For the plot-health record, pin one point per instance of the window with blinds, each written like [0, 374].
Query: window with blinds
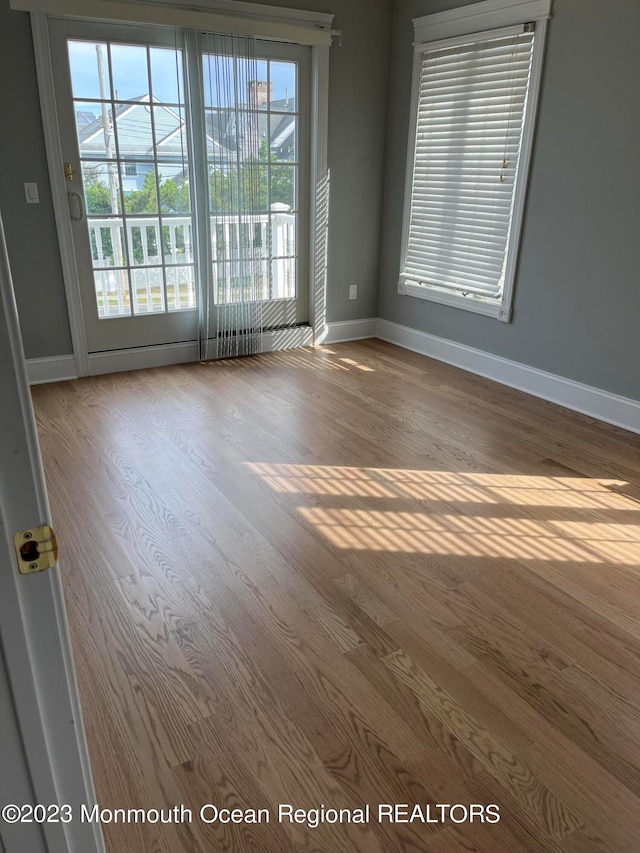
[472, 95]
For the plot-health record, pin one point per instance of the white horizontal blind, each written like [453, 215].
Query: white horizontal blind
[471, 108]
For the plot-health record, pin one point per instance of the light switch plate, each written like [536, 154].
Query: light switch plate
[31, 193]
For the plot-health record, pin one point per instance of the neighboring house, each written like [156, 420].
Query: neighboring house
[135, 139]
[226, 127]
[249, 127]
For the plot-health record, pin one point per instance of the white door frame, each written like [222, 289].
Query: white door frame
[34, 635]
[87, 365]
[48, 108]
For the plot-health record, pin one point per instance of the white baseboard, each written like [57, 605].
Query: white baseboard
[602, 405]
[271, 341]
[348, 330]
[57, 368]
[140, 358]
[619, 411]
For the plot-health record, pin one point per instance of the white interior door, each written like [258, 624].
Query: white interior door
[49, 763]
[15, 782]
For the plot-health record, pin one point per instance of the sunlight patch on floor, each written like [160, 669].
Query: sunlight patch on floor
[416, 525]
[515, 489]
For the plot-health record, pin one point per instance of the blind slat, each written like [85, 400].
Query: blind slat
[489, 247]
[472, 212]
[467, 113]
[441, 280]
[463, 279]
[470, 266]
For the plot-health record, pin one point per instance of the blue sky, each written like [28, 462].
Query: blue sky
[130, 77]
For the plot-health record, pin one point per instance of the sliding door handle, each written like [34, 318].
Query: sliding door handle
[76, 206]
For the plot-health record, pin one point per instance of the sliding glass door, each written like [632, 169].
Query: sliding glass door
[186, 161]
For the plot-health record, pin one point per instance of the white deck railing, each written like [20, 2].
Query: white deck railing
[235, 245]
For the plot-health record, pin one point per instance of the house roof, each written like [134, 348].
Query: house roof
[135, 130]
[222, 126]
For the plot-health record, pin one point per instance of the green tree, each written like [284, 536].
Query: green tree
[174, 196]
[98, 197]
[282, 185]
[145, 199]
[250, 194]
[98, 202]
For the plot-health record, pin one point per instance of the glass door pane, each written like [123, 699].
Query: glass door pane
[130, 111]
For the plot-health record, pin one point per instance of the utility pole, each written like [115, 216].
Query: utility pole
[112, 167]
[106, 128]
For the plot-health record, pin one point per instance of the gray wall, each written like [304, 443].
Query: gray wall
[30, 229]
[358, 103]
[577, 301]
[357, 129]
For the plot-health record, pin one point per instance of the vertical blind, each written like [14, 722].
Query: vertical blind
[471, 107]
[240, 244]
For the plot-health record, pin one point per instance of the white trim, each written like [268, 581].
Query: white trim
[411, 154]
[234, 7]
[320, 188]
[282, 339]
[51, 132]
[602, 405]
[270, 341]
[476, 304]
[348, 330]
[524, 169]
[478, 17]
[57, 368]
[141, 358]
[258, 23]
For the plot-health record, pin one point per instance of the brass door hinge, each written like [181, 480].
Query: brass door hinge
[36, 549]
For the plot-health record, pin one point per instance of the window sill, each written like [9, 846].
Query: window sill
[487, 307]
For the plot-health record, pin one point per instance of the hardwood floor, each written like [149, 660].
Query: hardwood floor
[343, 576]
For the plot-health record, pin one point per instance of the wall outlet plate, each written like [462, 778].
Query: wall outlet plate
[353, 291]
